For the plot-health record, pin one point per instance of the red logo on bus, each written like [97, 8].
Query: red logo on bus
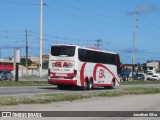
[60, 64]
[65, 64]
[101, 73]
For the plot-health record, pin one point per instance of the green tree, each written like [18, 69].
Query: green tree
[45, 65]
[23, 62]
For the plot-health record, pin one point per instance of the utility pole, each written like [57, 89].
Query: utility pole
[98, 43]
[134, 39]
[40, 57]
[27, 51]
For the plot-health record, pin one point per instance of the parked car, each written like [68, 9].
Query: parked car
[149, 75]
[33, 66]
[6, 75]
[125, 74]
[139, 76]
[155, 76]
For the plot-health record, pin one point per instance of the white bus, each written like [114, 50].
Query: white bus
[86, 67]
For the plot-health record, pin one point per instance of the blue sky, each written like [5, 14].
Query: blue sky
[82, 22]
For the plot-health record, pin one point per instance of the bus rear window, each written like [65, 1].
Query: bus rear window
[67, 51]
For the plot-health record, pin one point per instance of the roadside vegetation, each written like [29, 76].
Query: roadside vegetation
[138, 82]
[50, 98]
[31, 81]
[24, 83]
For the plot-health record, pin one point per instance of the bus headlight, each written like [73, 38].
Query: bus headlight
[75, 72]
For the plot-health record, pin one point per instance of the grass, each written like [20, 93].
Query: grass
[24, 83]
[30, 82]
[139, 82]
[50, 98]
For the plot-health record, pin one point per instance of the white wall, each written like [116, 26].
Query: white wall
[31, 73]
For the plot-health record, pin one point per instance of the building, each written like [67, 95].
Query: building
[35, 58]
[153, 65]
[6, 65]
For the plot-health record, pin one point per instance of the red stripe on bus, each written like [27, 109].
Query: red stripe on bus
[82, 78]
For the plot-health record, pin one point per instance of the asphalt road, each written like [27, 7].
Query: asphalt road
[34, 90]
[121, 103]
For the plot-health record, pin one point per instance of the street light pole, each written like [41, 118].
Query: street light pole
[134, 39]
[40, 57]
[27, 52]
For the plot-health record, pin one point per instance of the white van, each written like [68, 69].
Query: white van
[155, 76]
[149, 75]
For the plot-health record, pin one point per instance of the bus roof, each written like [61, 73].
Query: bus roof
[87, 47]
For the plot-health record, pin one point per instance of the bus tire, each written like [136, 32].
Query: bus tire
[85, 87]
[112, 84]
[90, 85]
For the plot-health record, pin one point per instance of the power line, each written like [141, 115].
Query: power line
[18, 3]
[34, 35]
[149, 33]
[47, 36]
[87, 19]
[151, 22]
[90, 12]
[66, 38]
[10, 47]
[101, 7]
[149, 28]
[11, 31]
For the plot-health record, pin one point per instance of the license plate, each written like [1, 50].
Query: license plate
[61, 74]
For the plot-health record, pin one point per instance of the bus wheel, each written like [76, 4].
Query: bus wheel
[113, 84]
[85, 87]
[90, 85]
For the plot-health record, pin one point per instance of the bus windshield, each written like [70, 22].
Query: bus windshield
[66, 51]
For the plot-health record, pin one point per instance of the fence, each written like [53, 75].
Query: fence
[31, 72]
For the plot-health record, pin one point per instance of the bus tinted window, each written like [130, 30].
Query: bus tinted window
[97, 57]
[67, 51]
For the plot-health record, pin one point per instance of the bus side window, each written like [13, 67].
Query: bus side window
[82, 55]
